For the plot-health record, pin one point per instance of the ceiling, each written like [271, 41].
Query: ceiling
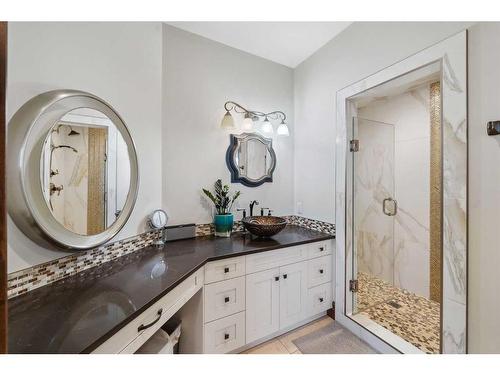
[287, 43]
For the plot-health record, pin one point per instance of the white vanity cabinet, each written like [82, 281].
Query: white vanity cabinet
[276, 299]
[248, 299]
[245, 300]
[280, 298]
[136, 333]
[224, 304]
[320, 277]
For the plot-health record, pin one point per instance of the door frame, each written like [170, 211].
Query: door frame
[452, 54]
[3, 212]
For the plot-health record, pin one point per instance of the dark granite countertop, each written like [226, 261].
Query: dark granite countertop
[77, 314]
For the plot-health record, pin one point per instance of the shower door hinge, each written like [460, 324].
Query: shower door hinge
[354, 145]
[353, 286]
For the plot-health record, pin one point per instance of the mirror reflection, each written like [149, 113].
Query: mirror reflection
[251, 159]
[85, 171]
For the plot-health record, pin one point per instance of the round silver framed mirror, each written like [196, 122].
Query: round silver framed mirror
[72, 170]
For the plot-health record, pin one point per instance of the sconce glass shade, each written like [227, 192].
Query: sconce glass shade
[283, 129]
[267, 127]
[227, 121]
[247, 122]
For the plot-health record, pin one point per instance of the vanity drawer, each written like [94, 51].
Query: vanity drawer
[319, 298]
[319, 271]
[224, 269]
[135, 334]
[276, 258]
[225, 335]
[224, 298]
[319, 249]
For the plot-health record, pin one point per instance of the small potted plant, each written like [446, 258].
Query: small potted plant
[223, 202]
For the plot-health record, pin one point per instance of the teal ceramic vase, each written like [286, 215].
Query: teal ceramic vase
[223, 225]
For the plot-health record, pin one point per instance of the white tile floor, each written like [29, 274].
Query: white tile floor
[283, 344]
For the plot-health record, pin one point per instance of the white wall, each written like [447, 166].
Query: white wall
[359, 51]
[484, 189]
[119, 62]
[200, 75]
[132, 65]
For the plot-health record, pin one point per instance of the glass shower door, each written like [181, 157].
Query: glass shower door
[374, 207]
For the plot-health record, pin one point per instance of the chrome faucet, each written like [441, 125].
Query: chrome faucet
[253, 203]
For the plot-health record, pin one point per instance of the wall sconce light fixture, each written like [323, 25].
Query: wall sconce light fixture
[250, 117]
[227, 121]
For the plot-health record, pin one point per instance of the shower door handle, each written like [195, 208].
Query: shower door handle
[384, 206]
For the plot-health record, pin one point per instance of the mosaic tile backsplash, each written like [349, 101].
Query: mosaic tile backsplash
[320, 226]
[35, 277]
[23, 281]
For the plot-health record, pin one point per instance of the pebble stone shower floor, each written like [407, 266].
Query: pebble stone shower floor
[413, 318]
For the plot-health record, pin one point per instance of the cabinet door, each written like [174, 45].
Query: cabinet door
[262, 313]
[293, 294]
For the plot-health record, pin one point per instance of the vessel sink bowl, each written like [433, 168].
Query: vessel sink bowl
[264, 226]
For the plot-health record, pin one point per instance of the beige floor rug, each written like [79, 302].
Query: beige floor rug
[332, 339]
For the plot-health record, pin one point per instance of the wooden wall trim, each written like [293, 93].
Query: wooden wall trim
[3, 212]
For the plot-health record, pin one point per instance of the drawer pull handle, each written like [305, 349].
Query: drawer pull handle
[142, 327]
[320, 299]
[276, 278]
[226, 336]
[321, 248]
[320, 271]
[285, 276]
[226, 299]
[226, 270]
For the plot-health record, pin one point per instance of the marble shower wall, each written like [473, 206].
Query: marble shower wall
[409, 256]
[454, 97]
[70, 204]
